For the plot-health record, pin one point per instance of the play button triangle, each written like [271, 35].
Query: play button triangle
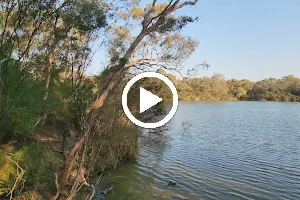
[147, 100]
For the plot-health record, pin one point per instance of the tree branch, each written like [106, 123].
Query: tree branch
[191, 3]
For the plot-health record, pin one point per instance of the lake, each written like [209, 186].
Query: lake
[217, 150]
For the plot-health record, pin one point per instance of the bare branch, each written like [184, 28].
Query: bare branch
[191, 3]
[163, 13]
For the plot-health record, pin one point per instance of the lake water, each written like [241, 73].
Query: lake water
[219, 150]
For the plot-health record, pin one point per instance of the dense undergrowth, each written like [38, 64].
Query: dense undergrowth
[39, 149]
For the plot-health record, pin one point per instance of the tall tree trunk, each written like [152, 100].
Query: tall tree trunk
[48, 74]
[47, 81]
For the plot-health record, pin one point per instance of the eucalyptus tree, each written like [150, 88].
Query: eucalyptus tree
[142, 38]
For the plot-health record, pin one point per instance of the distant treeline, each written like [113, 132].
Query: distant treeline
[218, 88]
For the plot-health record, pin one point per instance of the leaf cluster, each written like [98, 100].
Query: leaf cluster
[84, 16]
[173, 23]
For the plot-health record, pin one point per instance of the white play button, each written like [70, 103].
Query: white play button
[147, 100]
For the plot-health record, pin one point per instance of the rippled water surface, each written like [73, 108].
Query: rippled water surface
[223, 150]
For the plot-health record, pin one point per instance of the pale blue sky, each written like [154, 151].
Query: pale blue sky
[250, 39]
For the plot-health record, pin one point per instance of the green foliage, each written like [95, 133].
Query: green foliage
[23, 121]
[20, 107]
[8, 168]
[54, 36]
[271, 89]
[30, 195]
[40, 163]
[218, 88]
[173, 23]
[2, 159]
[85, 16]
[204, 89]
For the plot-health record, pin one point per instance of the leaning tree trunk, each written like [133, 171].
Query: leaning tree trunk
[116, 73]
[115, 76]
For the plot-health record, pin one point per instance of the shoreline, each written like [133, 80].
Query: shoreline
[216, 101]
